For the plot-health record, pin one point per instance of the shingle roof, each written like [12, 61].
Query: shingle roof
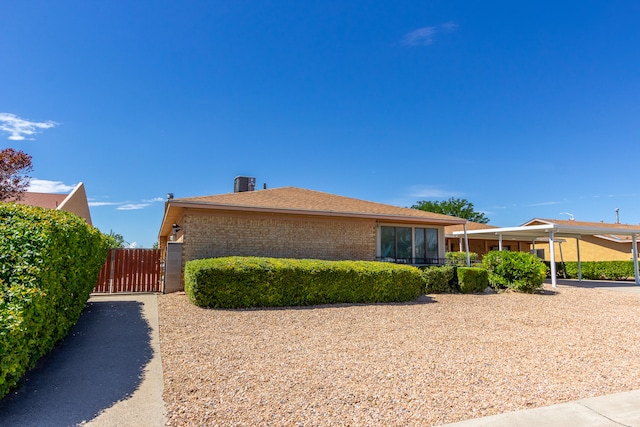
[582, 223]
[42, 200]
[603, 225]
[299, 199]
[449, 229]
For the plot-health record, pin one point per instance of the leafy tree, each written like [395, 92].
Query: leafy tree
[14, 167]
[461, 208]
[116, 241]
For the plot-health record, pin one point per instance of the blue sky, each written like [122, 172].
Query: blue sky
[525, 109]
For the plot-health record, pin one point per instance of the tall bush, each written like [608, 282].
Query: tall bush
[519, 271]
[49, 263]
[235, 282]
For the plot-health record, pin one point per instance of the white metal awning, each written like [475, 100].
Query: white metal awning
[553, 231]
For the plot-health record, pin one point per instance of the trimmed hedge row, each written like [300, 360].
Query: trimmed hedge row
[238, 282]
[597, 270]
[452, 279]
[49, 263]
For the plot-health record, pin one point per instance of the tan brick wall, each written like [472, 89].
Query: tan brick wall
[591, 249]
[229, 234]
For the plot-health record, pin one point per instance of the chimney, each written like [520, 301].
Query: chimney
[244, 183]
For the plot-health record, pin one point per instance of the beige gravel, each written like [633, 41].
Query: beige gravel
[444, 358]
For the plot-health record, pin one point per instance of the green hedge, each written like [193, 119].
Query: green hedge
[440, 279]
[597, 270]
[236, 282]
[518, 271]
[49, 263]
[460, 258]
[472, 279]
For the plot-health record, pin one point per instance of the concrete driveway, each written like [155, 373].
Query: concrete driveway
[106, 372]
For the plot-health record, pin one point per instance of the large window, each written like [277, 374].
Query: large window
[410, 245]
[426, 244]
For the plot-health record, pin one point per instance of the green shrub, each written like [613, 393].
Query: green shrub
[49, 263]
[598, 270]
[441, 279]
[472, 279]
[460, 258]
[518, 271]
[235, 282]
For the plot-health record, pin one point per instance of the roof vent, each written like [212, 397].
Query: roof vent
[244, 183]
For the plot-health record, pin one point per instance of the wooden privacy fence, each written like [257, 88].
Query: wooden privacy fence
[130, 270]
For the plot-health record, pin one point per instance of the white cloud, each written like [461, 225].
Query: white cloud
[424, 36]
[45, 186]
[19, 129]
[128, 205]
[543, 204]
[431, 193]
[449, 26]
[420, 37]
[132, 206]
[98, 204]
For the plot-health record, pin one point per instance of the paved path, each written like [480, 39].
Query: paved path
[107, 372]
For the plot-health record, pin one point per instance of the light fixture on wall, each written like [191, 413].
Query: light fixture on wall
[174, 230]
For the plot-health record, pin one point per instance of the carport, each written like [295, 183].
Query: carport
[552, 232]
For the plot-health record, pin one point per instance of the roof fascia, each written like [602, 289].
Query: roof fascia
[509, 230]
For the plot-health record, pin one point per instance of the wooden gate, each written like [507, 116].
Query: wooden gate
[130, 270]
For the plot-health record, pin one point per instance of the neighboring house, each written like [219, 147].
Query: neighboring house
[293, 222]
[596, 247]
[74, 202]
[481, 244]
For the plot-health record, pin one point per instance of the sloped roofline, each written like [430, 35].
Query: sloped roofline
[174, 207]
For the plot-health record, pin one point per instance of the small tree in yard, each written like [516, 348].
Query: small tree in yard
[14, 167]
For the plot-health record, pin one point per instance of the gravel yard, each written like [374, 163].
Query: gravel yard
[441, 359]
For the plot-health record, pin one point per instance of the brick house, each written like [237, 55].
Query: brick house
[607, 246]
[292, 222]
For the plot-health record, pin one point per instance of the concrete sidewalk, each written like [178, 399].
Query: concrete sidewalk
[620, 409]
[106, 372]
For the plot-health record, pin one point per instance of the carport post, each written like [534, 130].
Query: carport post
[552, 255]
[634, 239]
[579, 263]
[466, 243]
